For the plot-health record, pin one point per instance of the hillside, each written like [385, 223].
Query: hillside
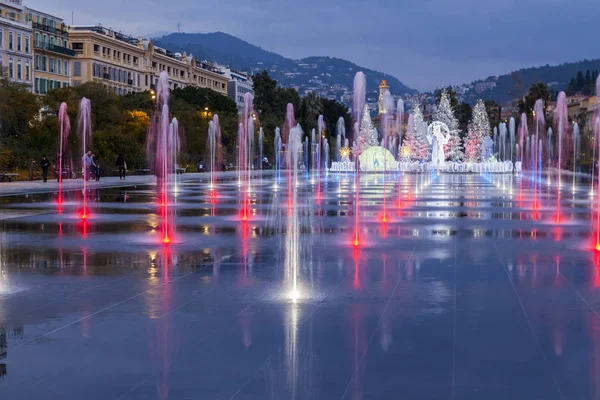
[517, 83]
[329, 77]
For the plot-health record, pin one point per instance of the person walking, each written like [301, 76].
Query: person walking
[45, 164]
[122, 165]
[31, 164]
[88, 163]
[96, 167]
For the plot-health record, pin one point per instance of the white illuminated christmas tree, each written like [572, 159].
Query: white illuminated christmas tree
[479, 128]
[444, 113]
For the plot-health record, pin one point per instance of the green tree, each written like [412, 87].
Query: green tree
[18, 108]
[451, 95]
[536, 91]
[580, 81]
[312, 107]
[463, 114]
[493, 111]
[588, 77]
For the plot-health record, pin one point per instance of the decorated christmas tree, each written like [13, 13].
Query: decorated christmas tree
[422, 148]
[367, 135]
[410, 139]
[479, 128]
[444, 113]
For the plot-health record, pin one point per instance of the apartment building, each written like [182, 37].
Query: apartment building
[105, 56]
[239, 83]
[52, 54]
[16, 53]
[183, 69]
[126, 64]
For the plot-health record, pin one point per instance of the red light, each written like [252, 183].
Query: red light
[166, 240]
[356, 243]
[598, 247]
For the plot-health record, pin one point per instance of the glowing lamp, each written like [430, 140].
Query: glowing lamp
[405, 152]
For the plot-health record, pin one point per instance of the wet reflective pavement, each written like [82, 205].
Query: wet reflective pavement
[471, 290]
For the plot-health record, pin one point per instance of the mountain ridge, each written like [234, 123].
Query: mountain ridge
[314, 73]
[516, 83]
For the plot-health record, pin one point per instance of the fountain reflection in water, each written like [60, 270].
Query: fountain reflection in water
[63, 159]
[214, 150]
[292, 246]
[360, 91]
[162, 149]
[84, 132]
[561, 117]
[245, 153]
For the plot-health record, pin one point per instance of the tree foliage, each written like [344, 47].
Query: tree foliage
[536, 91]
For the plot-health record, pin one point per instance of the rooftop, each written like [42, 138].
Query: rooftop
[107, 32]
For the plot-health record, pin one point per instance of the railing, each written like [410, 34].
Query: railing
[52, 47]
[49, 29]
[130, 82]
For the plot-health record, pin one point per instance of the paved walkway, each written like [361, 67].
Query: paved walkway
[22, 187]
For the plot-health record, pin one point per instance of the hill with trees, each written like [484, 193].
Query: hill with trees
[317, 74]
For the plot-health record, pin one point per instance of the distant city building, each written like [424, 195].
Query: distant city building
[16, 53]
[52, 55]
[482, 86]
[239, 83]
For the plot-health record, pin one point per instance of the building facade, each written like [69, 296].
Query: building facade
[105, 56]
[239, 83]
[52, 53]
[16, 52]
[126, 64]
[183, 70]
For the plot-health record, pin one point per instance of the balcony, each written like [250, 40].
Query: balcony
[106, 75]
[130, 82]
[52, 47]
[49, 29]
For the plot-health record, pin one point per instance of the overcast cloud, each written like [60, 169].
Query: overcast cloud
[424, 43]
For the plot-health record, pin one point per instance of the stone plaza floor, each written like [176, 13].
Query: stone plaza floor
[470, 290]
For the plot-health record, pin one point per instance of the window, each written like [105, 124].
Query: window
[10, 68]
[66, 84]
[27, 49]
[1, 37]
[96, 48]
[76, 83]
[38, 62]
[66, 43]
[52, 65]
[27, 71]
[10, 41]
[52, 41]
[19, 70]
[37, 85]
[44, 63]
[19, 42]
[66, 70]
[78, 46]
[77, 68]
[59, 66]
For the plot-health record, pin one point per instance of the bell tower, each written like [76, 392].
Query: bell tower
[383, 88]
